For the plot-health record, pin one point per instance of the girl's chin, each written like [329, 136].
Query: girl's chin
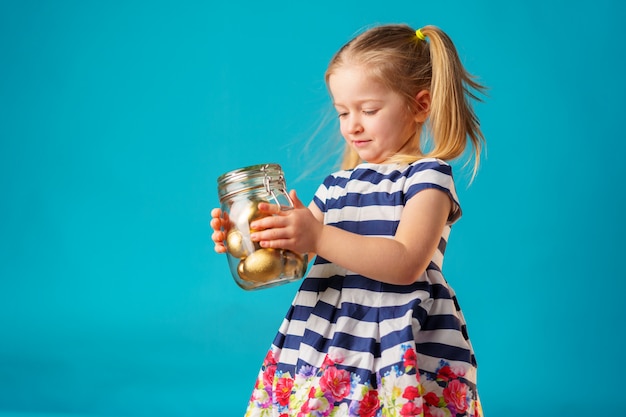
[369, 158]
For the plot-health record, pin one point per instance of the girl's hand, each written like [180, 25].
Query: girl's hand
[220, 223]
[297, 229]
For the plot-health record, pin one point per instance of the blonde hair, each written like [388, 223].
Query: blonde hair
[396, 57]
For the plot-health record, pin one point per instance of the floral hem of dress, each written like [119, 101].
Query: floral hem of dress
[331, 391]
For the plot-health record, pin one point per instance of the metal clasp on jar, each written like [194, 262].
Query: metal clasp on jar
[267, 182]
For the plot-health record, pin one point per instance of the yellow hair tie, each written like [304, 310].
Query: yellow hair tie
[420, 35]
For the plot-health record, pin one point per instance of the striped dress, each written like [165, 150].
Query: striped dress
[353, 346]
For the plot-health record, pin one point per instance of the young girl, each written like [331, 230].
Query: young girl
[375, 329]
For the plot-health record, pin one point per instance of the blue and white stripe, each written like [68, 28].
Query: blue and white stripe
[368, 321]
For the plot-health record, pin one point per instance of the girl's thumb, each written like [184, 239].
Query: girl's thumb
[296, 201]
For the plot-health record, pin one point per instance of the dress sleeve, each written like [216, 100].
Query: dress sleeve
[433, 174]
[322, 191]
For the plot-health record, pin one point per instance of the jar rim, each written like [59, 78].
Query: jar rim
[250, 178]
[244, 172]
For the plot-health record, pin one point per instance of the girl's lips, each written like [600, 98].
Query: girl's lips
[358, 143]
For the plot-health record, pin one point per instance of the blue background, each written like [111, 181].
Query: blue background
[117, 117]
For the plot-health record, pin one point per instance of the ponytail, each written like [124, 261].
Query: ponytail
[452, 119]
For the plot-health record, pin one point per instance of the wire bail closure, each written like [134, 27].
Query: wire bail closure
[267, 182]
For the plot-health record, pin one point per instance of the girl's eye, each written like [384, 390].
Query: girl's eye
[340, 115]
[369, 112]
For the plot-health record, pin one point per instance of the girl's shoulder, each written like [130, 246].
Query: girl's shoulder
[421, 170]
[399, 169]
[429, 164]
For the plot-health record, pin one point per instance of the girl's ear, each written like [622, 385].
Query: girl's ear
[422, 100]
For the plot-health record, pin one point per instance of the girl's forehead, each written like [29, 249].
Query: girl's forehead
[354, 82]
[350, 70]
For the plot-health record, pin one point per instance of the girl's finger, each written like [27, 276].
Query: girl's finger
[296, 201]
[215, 224]
[269, 208]
[220, 248]
[218, 236]
[216, 213]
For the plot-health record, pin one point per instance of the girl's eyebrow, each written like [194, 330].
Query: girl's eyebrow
[360, 102]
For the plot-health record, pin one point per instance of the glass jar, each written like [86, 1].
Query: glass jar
[240, 191]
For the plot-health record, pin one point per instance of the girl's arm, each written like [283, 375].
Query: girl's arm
[400, 260]
[319, 216]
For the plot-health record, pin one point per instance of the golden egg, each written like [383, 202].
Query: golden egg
[262, 265]
[252, 212]
[293, 264]
[235, 243]
[240, 271]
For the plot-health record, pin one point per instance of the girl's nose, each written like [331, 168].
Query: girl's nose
[354, 125]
